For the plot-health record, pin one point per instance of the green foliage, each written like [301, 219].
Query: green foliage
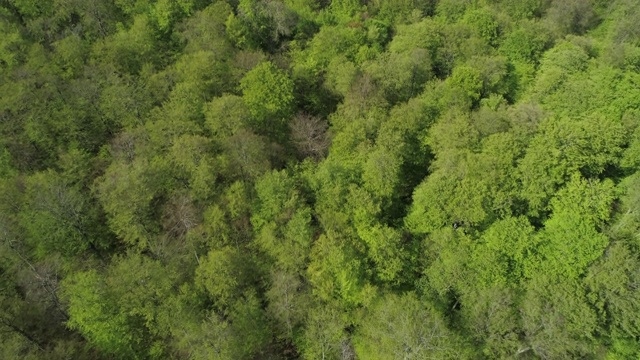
[502, 254]
[226, 115]
[260, 24]
[468, 80]
[223, 274]
[484, 182]
[324, 334]
[340, 75]
[572, 16]
[484, 24]
[268, 93]
[557, 319]
[564, 146]
[451, 10]
[298, 179]
[118, 311]
[282, 221]
[205, 30]
[526, 43]
[6, 170]
[609, 281]
[404, 11]
[129, 49]
[336, 271]
[328, 44]
[401, 76]
[98, 320]
[490, 315]
[446, 254]
[192, 160]
[524, 9]
[246, 155]
[127, 193]
[57, 217]
[287, 303]
[397, 327]
[570, 240]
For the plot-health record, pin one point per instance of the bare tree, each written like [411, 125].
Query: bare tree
[180, 216]
[309, 134]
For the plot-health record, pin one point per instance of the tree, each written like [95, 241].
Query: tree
[246, 155]
[562, 147]
[282, 221]
[570, 240]
[206, 72]
[327, 45]
[261, 24]
[228, 223]
[402, 12]
[309, 135]
[324, 334]
[526, 43]
[224, 275]
[574, 16]
[381, 173]
[192, 161]
[59, 218]
[503, 252]
[557, 320]
[446, 265]
[205, 29]
[336, 271]
[268, 93]
[484, 24]
[128, 193]
[226, 115]
[287, 303]
[491, 318]
[483, 181]
[117, 311]
[401, 75]
[468, 80]
[129, 49]
[401, 327]
[610, 289]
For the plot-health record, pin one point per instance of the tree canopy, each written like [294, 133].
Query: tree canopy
[300, 179]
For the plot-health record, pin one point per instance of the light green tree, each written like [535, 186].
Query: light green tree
[268, 93]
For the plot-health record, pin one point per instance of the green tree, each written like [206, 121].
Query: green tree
[205, 29]
[282, 221]
[261, 24]
[128, 193]
[324, 334]
[226, 115]
[491, 317]
[129, 49]
[336, 271]
[502, 253]
[562, 147]
[400, 327]
[573, 16]
[268, 93]
[287, 303]
[224, 275]
[117, 311]
[557, 320]
[484, 24]
[570, 239]
[58, 217]
[610, 285]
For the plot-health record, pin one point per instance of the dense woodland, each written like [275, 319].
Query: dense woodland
[299, 179]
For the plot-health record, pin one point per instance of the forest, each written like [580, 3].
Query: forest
[316, 179]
